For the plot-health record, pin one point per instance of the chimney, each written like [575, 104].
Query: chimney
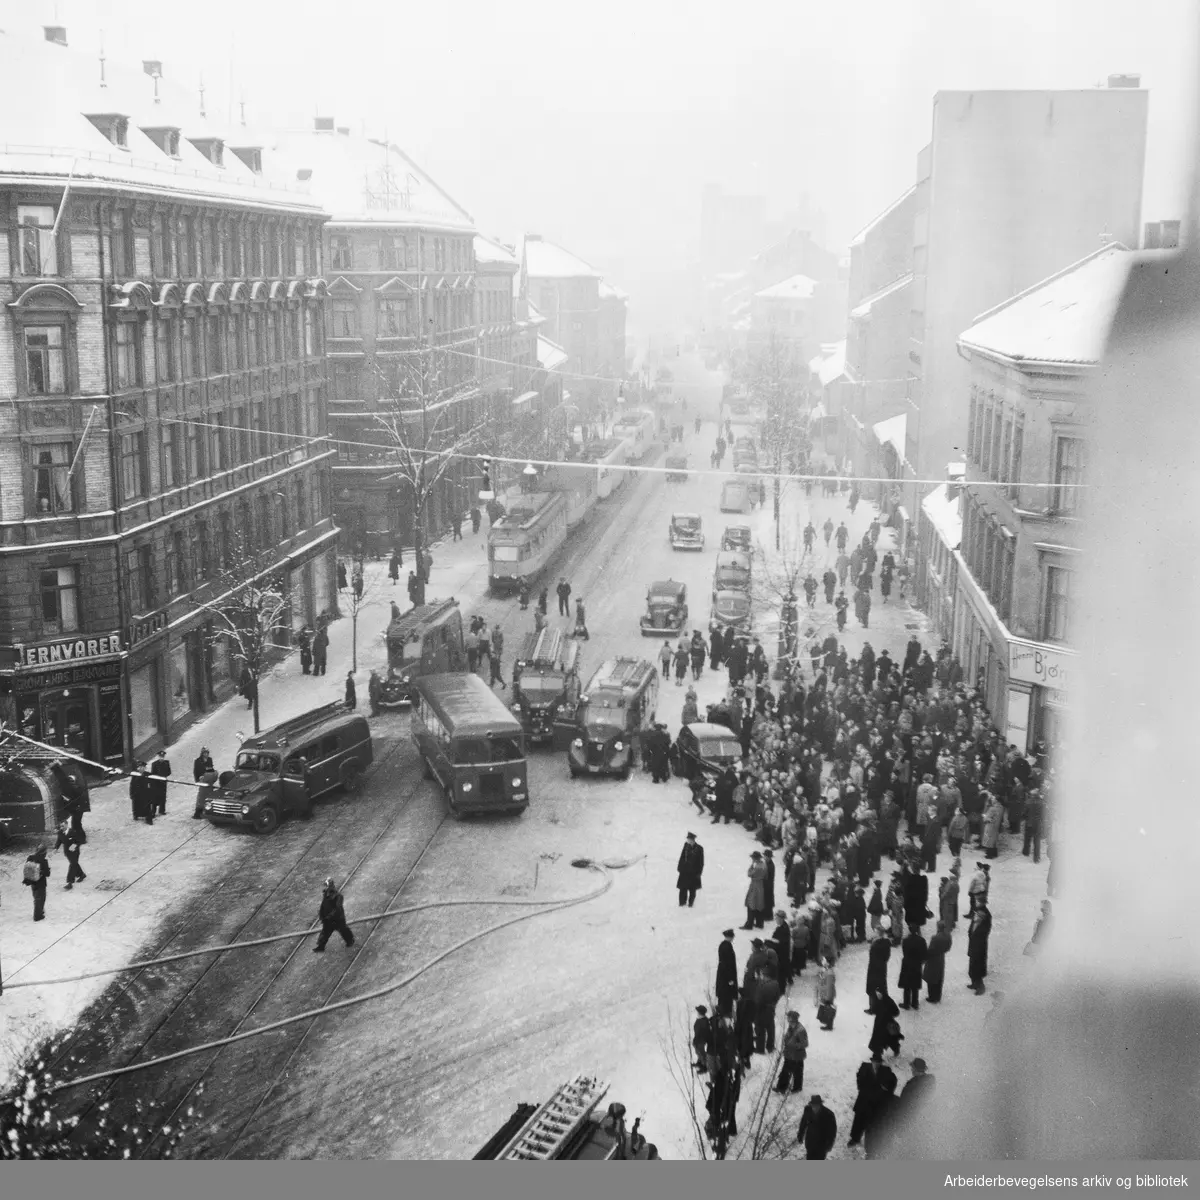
[1153, 237]
[152, 67]
[56, 34]
[956, 476]
[344, 130]
[323, 124]
[1169, 234]
[1124, 81]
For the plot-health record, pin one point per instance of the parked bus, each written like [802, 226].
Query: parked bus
[524, 540]
[471, 744]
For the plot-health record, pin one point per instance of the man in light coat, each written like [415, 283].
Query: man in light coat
[795, 1051]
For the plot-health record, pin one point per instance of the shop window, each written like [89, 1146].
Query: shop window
[59, 588]
[45, 360]
[134, 482]
[53, 491]
[181, 700]
[39, 255]
[143, 702]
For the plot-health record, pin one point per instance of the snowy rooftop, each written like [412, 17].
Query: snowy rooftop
[893, 432]
[864, 309]
[861, 235]
[545, 260]
[830, 363]
[45, 132]
[945, 514]
[489, 251]
[550, 355]
[608, 292]
[1063, 319]
[798, 287]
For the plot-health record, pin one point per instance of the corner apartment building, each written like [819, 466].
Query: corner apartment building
[1000, 551]
[401, 327]
[1013, 186]
[162, 407]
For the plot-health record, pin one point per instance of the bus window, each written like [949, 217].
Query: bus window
[470, 752]
[505, 749]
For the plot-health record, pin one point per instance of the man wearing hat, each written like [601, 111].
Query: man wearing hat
[34, 875]
[691, 867]
[818, 1129]
[755, 893]
[795, 1051]
[981, 881]
[160, 768]
[727, 976]
[332, 916]
[702, 1036]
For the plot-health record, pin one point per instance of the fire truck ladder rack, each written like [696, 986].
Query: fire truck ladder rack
[551, 1128]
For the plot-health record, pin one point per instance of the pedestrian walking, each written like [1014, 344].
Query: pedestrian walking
[68, 841]
[476, 518]
[948, 899]
[394, 568]
[320, 648]
[690, 868]
[827, 530]
[956, 831]
[581, 630]
[332, 915]
[727, 975]
[841, 606]
[795, 1051]
[140, 793]
[829, 582]
[427, 565]
[160, 769]
[978, 933]
[456, 526]
[357, 581]
[824, 995]
[912, 958]
[818, 1129]
[885, 1033]
[351, 695]
[563, 591]
[341, 576]
[871, 1084]
[1033, 825]
[767, 994]
[682, 659]
[934, 969]
[34, 876]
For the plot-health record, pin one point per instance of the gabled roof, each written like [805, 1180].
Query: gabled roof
[489, 251]
[1063, 319]
[798, 287]
[864, 309]
[545, 260]
[861, 235]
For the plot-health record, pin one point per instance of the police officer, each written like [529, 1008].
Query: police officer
[332, 916]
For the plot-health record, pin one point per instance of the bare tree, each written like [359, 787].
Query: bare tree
[775, 587]
[250, 611]
[362, 591]
[427, 428]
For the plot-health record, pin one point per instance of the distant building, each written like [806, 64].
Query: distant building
[1000, 546]
[732, 228]
[162, 399]
[614, 308]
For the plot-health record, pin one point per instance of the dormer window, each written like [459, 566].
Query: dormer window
[251, 156]
[212, 148]
[114, 127]
[166, 139]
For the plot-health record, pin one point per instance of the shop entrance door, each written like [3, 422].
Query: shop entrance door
[66, 722]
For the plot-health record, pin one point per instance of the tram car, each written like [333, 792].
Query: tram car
[636, 429]
[524, 540]
[578, 485]
[609, 456]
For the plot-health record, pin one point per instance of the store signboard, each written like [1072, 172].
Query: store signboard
[69, 650]
[1044, 666]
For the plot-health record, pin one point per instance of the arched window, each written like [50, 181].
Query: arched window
[45, 317]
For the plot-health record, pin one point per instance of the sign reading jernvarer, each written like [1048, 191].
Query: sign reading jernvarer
[69, 650]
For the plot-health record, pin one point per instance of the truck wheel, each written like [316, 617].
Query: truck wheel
[266, 819]
[351, 778]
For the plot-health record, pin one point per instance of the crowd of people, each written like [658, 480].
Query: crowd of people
[847, 763]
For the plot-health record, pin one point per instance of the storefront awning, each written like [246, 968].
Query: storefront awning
[944, 515]
[525, 398]
[892, 433]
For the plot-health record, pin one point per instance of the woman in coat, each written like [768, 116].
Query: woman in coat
[797, 880]
[885, 1033]
[801, 938]
[993, 816]
[948, 901]
[782, 940]
[912, 957]
[935, 963]
[755, 893]
[977, 947]
[878, 954]
[825, 993]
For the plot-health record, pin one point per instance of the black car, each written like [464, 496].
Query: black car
[705, 748]
[736, 537]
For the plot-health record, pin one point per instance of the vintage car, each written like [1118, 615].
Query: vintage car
[732, 572]
[735, 496]
[677, 468]
[686, 532]
[705, 749]
[736, 537]
[731, 609]
[666, 609]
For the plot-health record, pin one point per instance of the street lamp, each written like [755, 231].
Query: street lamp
[529, 477]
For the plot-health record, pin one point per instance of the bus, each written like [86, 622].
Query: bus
[471, 744]
[524, 540]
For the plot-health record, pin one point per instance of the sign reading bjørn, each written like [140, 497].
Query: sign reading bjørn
[1046, 666]
[70, 650]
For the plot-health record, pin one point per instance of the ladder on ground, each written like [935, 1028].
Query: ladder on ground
[545, 1134]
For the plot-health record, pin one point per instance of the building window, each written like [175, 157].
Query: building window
[127, 356]
[164, 349]
[225, 540]
[160, 245]
[311, 346]
[238, 447]
[216, 444]
[276, 335]
[59, 587]
[254, 260]
[139, 570]
[195, 451]
[187, 246]
[1006, 453]
[120, 244]
[345, 382]
[393, 318]
[253, 339]
[282, 523]
[177, 565]
[1056, 619]
[392, 254]
[215, 337]
[341, 254]
[200, 550]
[133, 466]
[237, 325]
[236, 258]
[343, 319]
[1014, 473]
[45, 360]
[263, 523]
[38, 253]
[275, 424]
[1068, 474]
[260, 436]
[52, 490]
[301, 505]
[192, 365]
[170, 456]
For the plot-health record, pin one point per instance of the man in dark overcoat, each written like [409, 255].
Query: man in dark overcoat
[691, 867]
[727, 974]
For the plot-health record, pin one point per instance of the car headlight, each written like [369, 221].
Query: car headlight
[245, 810]
[618, 746]
[466, 787]
[516, 783]
[578, 743]
[208, 807]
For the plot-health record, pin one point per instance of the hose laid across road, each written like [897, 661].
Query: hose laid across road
[541, 906]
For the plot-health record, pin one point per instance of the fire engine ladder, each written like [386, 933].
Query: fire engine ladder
[545, 1134]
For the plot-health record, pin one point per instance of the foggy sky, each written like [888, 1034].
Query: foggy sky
[598, 124]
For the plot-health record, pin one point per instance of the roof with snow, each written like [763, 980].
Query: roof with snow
[45, 133]
[945, 514]
[830, 364]
[798, 287]
[864, 309]
[861, 235]
[545, 260]
[1063, 319]
[608, 292]
[550, 355]
[892, 432]
[488, 251]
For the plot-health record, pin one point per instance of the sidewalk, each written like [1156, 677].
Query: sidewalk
[136, 872]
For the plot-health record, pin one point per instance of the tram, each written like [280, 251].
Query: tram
[579, 487]
[636, 428]
[607, 455]
[524, 540]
